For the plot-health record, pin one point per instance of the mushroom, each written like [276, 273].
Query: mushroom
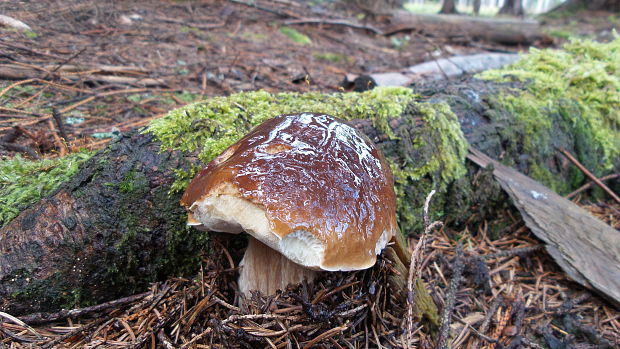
[313, 193]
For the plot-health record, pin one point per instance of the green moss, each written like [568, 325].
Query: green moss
[254, 36]
[333, 57]
[132, 182]
[576, 88]
[209, 127]
[23, 181]
[295, 35]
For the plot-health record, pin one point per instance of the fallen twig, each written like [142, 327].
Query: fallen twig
[446, 314]
[42, 318]
[585, 171]
[70, 73]
[26, 49]
[73, 333]
[59, 123]
[414, 270]
[590, 184]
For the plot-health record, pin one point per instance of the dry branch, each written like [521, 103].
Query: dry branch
[75, 74]
[590, 175]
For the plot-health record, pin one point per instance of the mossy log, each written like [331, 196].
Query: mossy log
[117, 225]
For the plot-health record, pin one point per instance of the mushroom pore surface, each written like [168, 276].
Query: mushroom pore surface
[307, 185]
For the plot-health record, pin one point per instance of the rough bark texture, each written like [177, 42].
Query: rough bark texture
[106, 233]
[114, 228]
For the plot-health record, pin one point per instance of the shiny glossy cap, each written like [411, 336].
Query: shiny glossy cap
[321, 184]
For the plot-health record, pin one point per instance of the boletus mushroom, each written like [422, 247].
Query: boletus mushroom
[313, 192]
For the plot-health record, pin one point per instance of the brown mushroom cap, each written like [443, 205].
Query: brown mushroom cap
[307, 185]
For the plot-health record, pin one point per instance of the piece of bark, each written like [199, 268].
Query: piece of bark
[587, 249]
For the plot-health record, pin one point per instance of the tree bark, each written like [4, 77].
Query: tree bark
[512, 7]
[114, 228]
[476, 9]
[448, 7]
[106, 233]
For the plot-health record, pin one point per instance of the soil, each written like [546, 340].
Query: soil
[111, 67]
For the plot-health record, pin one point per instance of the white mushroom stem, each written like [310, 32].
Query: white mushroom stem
[266, 270]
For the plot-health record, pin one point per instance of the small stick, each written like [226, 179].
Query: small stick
[514, 252]
[72, 333]
[42, 318]
[414, 270]
[61, 127]
[14, 85]
[589, 184]
[446, 315]
[61, 144]
[24, 48]
[589, 174]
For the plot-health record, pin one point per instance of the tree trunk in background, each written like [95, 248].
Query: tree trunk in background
[594, 5]
[448, 7]
[378, 7]
[477, 7]
[512, 7]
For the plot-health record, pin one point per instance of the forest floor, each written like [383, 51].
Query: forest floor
[105, 68]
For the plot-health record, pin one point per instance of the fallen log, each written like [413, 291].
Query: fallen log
[442, 68]
[117, 225]
[502, 31]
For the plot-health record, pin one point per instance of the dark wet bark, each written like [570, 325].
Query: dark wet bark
[114, 228]
[106, 233]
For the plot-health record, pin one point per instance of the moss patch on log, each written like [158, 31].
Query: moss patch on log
[24, 182]
[210, 126]
[576, 89]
